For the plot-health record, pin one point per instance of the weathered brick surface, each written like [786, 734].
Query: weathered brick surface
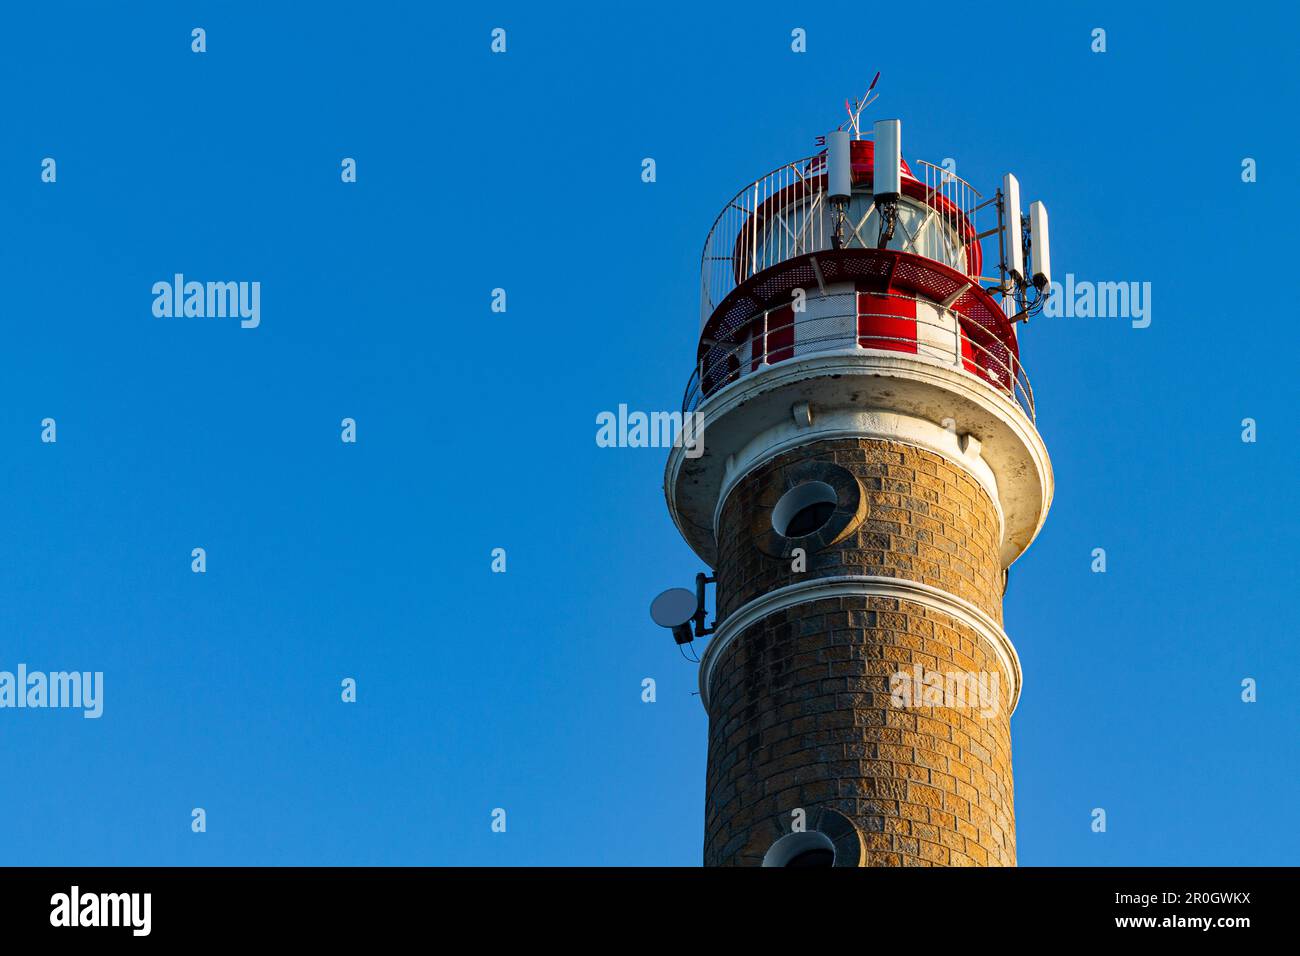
[800, 712]
[928, 520]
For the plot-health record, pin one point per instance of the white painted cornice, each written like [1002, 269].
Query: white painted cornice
[869, 394]
[818, 589]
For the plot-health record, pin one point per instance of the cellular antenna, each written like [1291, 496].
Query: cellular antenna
[1026, 256]
[1014, 257]
[1042, 271]
[887, 184]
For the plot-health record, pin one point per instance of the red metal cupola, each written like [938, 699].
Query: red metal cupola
[862, 158]
[797, 264]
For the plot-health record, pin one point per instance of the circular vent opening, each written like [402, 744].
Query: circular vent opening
[812, 858]
[804, 509]
[810, 848]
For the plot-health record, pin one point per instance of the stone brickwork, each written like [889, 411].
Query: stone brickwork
[928, 520]
[800, 710]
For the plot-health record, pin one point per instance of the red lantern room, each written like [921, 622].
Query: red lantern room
[818, 256]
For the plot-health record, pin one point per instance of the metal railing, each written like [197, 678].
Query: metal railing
[777, 217]
[835, 323]
[956, 203]
[786, 214]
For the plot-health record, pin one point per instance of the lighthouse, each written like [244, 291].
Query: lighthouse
[870, 469]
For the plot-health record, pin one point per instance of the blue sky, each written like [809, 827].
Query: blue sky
[476, 430]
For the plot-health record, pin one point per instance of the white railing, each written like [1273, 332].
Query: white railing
[778, 217]
[835, 323]
[956, 203]
[785, 214]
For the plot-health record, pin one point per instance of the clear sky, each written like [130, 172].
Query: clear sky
[476, 430]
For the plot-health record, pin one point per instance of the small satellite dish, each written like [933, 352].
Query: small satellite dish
[1011, 229]
[674, 610]
[1039, 246]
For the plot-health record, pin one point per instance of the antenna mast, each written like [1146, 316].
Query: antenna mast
[855, 110]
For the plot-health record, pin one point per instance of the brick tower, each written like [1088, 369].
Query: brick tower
[870, 469]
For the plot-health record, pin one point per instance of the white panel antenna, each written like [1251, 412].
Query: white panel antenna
[1011, 230]
[886, 181]
[1039, 246]
[839, 174]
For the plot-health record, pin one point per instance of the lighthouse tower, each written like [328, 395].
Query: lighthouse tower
[870, 470]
